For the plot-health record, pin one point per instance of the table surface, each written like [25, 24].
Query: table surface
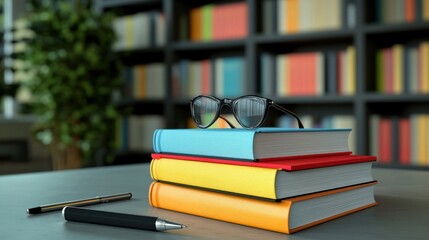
[402, 213]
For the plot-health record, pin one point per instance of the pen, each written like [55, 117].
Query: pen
[119, 219]
[83, 202]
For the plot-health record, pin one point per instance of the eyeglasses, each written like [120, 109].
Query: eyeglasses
[250, 111]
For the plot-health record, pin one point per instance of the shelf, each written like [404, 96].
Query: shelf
[131, 157]
[399, 28]
[403, 98]
[139, 106]
[110, 4]
[316, 37]
[314, 100]
[216, 45]
[390, 34]
[397, 166]
[142, 55]
[293, 100]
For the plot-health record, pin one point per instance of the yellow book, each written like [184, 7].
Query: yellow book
[351, 71]
[292, 16]
[424, 69]
[273, 180]
[398, 63]
[129, 32]
[140, 81]
[425, 10]
[423, 139]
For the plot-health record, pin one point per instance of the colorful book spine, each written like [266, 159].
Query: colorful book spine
[401, 140]
[142, 30]
[220, 76]
[218, 21]
[395, 11]
[135, 133]
[311, 73]
[146, 81]
[398, 69]
[294, 16]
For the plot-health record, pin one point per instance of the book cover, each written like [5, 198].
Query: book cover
[385, 140]
[207, 17]
[404, 141]
[271, 180]
[251, 144]
[286, 216]
[195, 21]
[331, 61]
[292, 16]
[351, 70]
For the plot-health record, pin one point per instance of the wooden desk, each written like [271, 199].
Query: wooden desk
[402, 213]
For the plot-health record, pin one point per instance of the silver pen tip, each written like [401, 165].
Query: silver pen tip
[164, 225]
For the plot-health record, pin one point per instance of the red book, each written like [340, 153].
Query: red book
[385, 140]
[340, 56]
[410, 9]
[286, 164]
[404, 141]
[230, 21]
[303, 73]
[218, 23]
[205, 77]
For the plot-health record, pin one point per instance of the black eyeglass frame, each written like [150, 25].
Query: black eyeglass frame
[232, 102]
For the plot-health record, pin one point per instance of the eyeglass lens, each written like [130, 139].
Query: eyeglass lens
[249, 111]
[205, 110]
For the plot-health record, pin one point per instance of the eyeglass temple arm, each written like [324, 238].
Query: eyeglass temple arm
[227, 121]
[300, 125]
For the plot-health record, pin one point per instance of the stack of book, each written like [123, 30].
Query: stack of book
[277, 179]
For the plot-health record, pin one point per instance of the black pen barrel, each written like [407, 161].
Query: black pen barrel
[77, 214]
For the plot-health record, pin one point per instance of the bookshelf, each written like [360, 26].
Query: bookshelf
[364, 24]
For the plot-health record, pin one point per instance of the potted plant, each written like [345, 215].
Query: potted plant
[73, 74]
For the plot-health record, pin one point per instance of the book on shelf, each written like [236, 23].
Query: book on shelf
[271, 180]
[295, 16]
[309, 73]
[259, 144]
[387, 11]
[398, 69]
[425, 10]
[223, 76]
[134, 133]
[285, 216]
[141, 30]
[144, 81]
[218, 21]
[409, 134]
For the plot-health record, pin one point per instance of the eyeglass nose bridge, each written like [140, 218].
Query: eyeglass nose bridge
[226, 102]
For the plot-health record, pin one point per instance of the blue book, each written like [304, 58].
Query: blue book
[233, 70]
[252, 144]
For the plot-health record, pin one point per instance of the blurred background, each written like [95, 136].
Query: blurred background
[85, 83]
